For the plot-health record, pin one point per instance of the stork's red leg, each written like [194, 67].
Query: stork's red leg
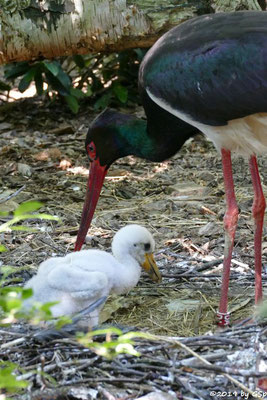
[258, 209]
[230, 222]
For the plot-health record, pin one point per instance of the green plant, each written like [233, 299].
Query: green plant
[49, 72]
[105, 78]
[11, 300]
[12, 297]
[8, 379]
[111, 77]
[25, 211]
[112, 346]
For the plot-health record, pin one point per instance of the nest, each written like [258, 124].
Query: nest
[198, 367]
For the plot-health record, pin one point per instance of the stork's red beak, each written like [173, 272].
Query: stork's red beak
[96, 178]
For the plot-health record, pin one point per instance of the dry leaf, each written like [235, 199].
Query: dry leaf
[8, 206]
[24, 169]
[180, 305]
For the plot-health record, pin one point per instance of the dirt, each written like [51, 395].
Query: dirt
[180, 200]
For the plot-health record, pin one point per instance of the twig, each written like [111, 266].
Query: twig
[106, 394]
[3, 332]
[13, 342]
[13, 194]
[183, 381]
[209, 264]
[186, 348]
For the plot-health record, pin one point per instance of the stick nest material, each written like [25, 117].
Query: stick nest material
[185, 368]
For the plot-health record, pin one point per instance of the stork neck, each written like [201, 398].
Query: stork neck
[162, 135]
[156, 139]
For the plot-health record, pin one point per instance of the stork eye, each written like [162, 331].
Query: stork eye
[91, 150]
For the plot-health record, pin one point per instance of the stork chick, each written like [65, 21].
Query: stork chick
[80, 278]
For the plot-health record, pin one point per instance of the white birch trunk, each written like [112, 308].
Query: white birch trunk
[32, 29]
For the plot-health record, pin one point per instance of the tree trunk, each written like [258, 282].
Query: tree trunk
[32, 29]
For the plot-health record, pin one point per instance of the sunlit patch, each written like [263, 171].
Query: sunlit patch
[162, 167]
[65, 164]
[78, 171]
[15, 94]
[48, 154]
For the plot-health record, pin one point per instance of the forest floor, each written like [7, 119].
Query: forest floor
[181, 201]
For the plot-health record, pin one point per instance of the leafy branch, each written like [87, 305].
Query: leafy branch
[24, 212]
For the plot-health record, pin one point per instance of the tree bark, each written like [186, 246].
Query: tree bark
[34, 29]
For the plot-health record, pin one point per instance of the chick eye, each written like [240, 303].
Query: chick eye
[91, 150]
[147, 246]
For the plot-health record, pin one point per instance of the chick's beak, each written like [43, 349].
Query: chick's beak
[151, 268]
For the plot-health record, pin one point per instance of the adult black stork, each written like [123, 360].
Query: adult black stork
[207, 74]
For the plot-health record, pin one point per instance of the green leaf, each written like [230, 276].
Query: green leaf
[9, 300]
[53, 67]
[2, 248]
[110, 348]
[33, 216]
[120, 91]
[11, 224]
[12, 304]
[78, 93]
[72, 103]
[46, 307]
[89, 91]
[126, 348]
[26, 207]
[23, 228]
[55, 84]
[7, 289]
[7, 270]
[4, 213]
[8, 380]
[24, 84]
[111, 330]
[63, 320]
[26, 293]
[64, 79]
[103, 102]
[43, 216]
[12, 71]
[26, 80]
[38, 78]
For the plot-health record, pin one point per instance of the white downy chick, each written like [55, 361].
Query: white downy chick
[80, 278]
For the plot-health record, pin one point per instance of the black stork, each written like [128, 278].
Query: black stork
[207, 74]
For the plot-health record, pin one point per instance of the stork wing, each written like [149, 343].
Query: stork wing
[78, 283]
[211, 69]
